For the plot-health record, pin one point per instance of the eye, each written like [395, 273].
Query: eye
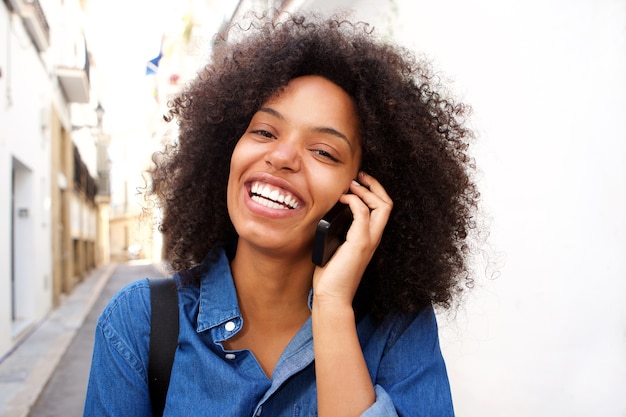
[325, 155]
[263, 133]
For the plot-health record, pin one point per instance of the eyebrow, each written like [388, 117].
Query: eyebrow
[323, 130]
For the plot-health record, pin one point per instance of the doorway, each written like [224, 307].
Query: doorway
[22, 246]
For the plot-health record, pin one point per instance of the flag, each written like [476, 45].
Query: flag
[153, 65]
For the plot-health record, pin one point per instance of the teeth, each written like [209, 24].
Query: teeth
[272, 197]
[268, 203]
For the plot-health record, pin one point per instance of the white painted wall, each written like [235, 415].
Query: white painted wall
[25, 97]
[5, 187]
[544, 331]
[546, 336]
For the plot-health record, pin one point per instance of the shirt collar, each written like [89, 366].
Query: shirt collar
[218, 297]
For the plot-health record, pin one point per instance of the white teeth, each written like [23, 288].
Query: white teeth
[268, 203]
[272, 197]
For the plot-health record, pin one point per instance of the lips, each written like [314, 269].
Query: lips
[273, 197]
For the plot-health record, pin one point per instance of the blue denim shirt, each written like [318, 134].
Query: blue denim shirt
[402, 354]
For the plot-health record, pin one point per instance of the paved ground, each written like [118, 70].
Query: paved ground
[65, 393]
[46, 376]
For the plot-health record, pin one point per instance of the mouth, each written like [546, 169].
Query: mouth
[273, 197]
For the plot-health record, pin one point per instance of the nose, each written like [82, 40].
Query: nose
[284, 154]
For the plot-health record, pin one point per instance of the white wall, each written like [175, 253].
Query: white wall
[24, 135]
[5, 184]
[546, 334]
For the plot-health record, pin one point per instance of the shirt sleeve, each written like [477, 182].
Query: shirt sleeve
[118, 377]
[411, 378]
[383, 407]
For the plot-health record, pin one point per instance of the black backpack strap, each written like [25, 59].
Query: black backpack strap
[163, 339]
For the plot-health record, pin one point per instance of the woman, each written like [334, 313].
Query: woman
[276, 130]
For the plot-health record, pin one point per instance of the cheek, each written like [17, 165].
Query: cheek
[332, 191]
[233, 175]
[237, 163]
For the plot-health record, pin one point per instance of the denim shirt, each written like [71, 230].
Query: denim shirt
[402, 354]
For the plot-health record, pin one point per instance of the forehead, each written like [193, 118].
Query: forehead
[315, 99]
[312, 84]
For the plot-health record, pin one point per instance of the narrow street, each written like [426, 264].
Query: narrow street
[64, 394]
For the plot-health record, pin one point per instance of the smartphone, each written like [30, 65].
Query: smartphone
[331, 233]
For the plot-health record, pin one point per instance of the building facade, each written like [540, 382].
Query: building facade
[52, 196]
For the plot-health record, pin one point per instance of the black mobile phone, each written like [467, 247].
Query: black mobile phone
[331, 233]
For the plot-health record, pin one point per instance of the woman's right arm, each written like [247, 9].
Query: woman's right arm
[118, 377]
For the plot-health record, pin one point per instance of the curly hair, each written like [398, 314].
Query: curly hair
[413, 139]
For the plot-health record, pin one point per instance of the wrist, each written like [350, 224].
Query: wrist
[332, 307]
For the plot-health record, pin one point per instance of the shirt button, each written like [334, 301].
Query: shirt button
[258, 413]
[230, 356]
[230, 326]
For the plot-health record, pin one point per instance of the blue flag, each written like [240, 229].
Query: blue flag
[153, 65]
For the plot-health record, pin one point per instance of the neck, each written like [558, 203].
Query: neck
[270, 286]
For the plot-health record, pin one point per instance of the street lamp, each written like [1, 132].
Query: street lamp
[103, 164]
[100, 114]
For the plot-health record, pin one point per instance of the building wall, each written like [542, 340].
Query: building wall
[25, 256]
[133, 237]
[5, 190]
[61, 175]
[40, 258]
[544, 332]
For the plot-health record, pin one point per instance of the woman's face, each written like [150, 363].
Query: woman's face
[296, 158]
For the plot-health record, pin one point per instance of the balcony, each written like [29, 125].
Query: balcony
[75, 80]
[34, 21]
[75, 84]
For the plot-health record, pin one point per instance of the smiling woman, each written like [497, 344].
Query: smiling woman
[280, 126]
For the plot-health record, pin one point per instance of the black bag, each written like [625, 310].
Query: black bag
[163, 339]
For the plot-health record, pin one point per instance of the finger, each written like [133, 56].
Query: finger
[370, 213]
[374, 186]
[375, 198]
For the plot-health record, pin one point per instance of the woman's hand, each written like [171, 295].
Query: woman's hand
[339, 279]
[344, 386]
